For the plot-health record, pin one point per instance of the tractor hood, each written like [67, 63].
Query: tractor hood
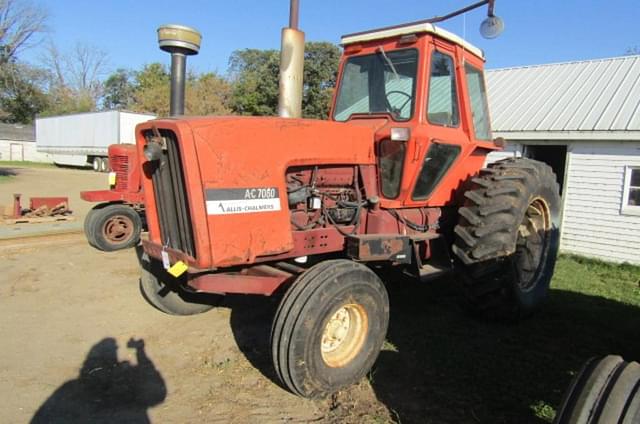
[234, 170]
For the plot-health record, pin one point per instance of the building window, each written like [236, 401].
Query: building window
[631, 192]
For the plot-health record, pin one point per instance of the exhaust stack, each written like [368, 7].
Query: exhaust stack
[181, 41]
[291, 67]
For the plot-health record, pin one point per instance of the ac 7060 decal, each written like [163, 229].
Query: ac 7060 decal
[226, 201]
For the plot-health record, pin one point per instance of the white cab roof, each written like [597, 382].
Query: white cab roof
[413, 28]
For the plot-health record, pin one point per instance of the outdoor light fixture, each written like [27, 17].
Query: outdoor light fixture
[492, 26]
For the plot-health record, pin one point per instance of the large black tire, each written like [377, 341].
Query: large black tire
[167, 294]
[507, 238]
[607, 390]
[112, 227]
[329, 328]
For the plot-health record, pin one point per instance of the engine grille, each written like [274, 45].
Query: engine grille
[120, 165]
[171, 197]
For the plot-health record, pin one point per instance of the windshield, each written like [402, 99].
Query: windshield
[380, 82]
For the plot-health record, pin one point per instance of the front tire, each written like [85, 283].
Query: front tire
[329, 328]
[165, 293]
[112, 227]
[507, 238]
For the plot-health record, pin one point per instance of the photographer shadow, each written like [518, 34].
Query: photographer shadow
[107, 390]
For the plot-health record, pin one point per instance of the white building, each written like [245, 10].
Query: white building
[18, 142]
[583, 119]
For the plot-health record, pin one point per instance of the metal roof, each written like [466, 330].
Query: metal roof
[601, 95]
[17, 132]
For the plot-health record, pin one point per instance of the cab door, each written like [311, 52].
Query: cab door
[442, 136]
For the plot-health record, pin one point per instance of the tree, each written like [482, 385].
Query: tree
[632, 50]
[22, 95]
[320, 70]
[151, 93]
[254, 74]
[207, 94]
[255, 80]
[119, 90]
[20, 24]
[74, 78]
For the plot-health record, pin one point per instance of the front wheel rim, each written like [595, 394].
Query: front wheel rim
[118, 229]
[533, 243]
[344, 335]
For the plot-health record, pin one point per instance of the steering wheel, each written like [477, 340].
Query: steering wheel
[397, 110]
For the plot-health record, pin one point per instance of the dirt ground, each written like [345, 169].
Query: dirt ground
[39, 182]
[80, 344]
[45, 182]
[66, 332]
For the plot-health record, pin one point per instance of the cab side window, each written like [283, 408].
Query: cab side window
[478, 99]
[442, 108]
[390, 162]
[437, 162]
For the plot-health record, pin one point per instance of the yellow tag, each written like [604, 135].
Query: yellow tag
[178, 269]
[112, 178]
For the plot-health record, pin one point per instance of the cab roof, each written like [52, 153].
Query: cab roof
[411, 28]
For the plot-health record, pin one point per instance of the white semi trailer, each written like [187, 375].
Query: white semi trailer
[82, 139]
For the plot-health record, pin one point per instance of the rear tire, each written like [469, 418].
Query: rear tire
[507, 238]
[96, 163]
[329, 328]
[607, 390]
[112, 227]
[165, 293]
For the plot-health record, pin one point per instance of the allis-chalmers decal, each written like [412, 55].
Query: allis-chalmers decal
[242, 200]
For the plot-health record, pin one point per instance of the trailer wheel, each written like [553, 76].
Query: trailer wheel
[104, 164]
[329, 328]
[607, 390]
[112, 227]
[507, 238]
[96, 163]
[165, 293]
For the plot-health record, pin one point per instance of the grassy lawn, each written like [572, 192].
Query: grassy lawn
[440, 365]
[24, 164]
[8, 168]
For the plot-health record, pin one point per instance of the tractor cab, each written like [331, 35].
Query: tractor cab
[422, 88]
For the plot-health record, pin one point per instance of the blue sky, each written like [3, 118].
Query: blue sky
[537, 31]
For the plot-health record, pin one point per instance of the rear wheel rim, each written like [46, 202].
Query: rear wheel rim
[118, 229]
[533, 243]
[344, 335]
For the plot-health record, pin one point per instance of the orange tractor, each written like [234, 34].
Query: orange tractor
[118, 219]
[395, 179]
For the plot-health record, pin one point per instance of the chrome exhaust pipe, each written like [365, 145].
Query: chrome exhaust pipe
[291, 67]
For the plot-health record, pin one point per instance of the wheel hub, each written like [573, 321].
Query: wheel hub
[118, 229]
[344, 335]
